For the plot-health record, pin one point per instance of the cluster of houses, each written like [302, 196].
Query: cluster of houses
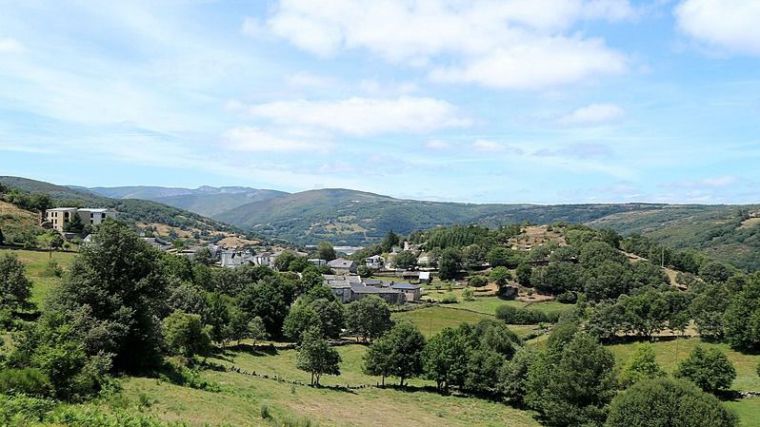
[350, 287]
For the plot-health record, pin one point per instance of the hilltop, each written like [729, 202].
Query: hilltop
[350, 217]
[153, 217]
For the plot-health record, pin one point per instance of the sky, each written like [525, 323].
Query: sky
[509, 101]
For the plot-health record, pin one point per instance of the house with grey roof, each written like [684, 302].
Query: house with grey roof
[411, 292]
[342, 266]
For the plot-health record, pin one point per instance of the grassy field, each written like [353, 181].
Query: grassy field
[242, 397]
[748, 411]
[432, 320]
[670, 353]
[36, 264]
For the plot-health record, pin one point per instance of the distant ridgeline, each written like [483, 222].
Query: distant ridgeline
[34, 197]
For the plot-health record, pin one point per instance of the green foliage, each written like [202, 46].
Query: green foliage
[317, 357]
[500, 256]
[513, 376]
[468, 295]
[641, 366]
[368, 318]
[323, 315]
[326, 251]
[665, 403]
[500, 275]
[524, 316]
[391, 239]
[742, 317]
[270, 299]
[398, 353]
[579, 387]
[477, 281]
[184, 334]
[405, 260]
[449, 264]
[445, 358]
[15, 288]
[709, 369]
[524, 272]
[449, 298]
[27, 381]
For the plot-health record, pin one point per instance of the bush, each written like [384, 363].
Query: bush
[467, 295]
[709, 369]
[524, 316]
[22, 410]
[27, 381]
[52, 269]
[449, 299]
[567, 298]
[477, 281]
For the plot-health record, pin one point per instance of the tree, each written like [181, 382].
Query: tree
[321, 314]
[513, 376]
[398, 353]
[15, 288]
[256, 330]
[742, 318]
[184, 334]
[218, 317]
[709, 369]
[715, 272]
[326, 251]
[74, 225]
[316, 357]
[204, 256]
[368, 318]
[56, 241]
[524, 272]
[270, 299]
[449, 264]
[115, 294]
[483, 366]
[666, 402]
[477, 281]
[579, 388]
[473, 256]
[406, 260]
[391, 239]
[503, 257]
[237, 328]
[500, 275]
[707, 309]
[642, 365]
[445, 358]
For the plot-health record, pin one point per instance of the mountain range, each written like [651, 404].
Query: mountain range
[349, 217]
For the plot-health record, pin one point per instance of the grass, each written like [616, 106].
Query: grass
[432, 320]
[36, 262]
[670, 353]
[748, 411]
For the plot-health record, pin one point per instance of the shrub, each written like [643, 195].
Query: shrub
[467, 295]
[27, 381]
[52, 269]
[477, 281]
[709, 369]
[567, 298]
[524, 316]
[449, 299]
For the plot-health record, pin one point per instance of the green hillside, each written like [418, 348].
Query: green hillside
[354, 217]
[132, 211]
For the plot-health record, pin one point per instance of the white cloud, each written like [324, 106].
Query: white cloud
[537, 63]
[593, 114]
[364, 116]
[494, 43]
[9, 45]
[437, 144]
[728, 24]
[721, 181]
[309, 80]
[485, 145]
[257, 140]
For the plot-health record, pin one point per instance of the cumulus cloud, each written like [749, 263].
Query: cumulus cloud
[727, 24]
[364, 116]
[257, 140]
[505, 44]
[593, 114]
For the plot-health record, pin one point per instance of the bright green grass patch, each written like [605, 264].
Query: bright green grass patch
[36, 262]
[432, 320]
[242, 397]
[748, 411]
[670, 353]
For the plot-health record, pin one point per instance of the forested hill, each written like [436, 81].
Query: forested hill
[349, 217]
[133, 211]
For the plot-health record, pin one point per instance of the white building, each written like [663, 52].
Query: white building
[59, 217]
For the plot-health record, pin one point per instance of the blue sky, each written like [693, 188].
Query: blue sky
[541, 101]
